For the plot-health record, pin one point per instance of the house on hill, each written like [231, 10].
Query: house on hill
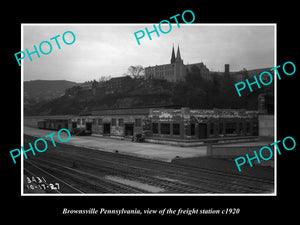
[117, 84]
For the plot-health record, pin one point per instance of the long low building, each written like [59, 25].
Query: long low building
[185, 123]
[164, 123]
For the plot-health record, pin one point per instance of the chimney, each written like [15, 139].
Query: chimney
[226, 70]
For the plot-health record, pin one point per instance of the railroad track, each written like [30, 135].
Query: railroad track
[172, 178]
[225, 181]
[34, 171]
[88, 169]
[183, 185]
[87, 182]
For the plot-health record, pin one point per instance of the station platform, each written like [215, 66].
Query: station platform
[157, 151]
[154, 151]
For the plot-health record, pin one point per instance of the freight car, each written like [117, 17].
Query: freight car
[53, 124]
[42, 124]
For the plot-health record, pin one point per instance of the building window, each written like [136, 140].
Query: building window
[165, 128]
[99, 121]
[255, 129]
[121, 122]
[240, 128]
[248, 127]
[138, 122]
[155, 128]
[220, 128]
[211, 130]
[78, 121]
[83, 121]
[113, 122]
[176, 129]
[231, 128]
[94, 121]
[192, 129]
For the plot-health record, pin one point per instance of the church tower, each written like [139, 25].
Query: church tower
[173, 55]
[179, 67]
[178, 56]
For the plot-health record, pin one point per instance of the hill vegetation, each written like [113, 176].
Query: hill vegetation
[195, 92]
[43, 90]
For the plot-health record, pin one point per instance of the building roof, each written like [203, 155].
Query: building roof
[126, 111]
[118, 79]
[199, 65]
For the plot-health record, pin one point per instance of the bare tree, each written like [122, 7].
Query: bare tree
[135, 71]
[104, 78]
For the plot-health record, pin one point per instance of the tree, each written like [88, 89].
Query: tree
[245, 73]
[104, 78]
[135, 71]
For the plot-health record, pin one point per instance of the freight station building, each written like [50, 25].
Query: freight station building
[163, 123]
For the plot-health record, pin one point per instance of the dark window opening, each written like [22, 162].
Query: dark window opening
[155, 128]
[220, 128]
[176, 129]
[165, 128]
[192, 129]
[211, 131]
[230, 128]
[129, 129]
[248, 128]
[106, 128]
[89, 126]
[202, 130]
[240, 128]
[255, 129]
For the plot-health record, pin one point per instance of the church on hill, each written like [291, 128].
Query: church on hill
[176, 70]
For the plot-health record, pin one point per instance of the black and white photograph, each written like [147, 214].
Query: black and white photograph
[146, 111]
[111, 116]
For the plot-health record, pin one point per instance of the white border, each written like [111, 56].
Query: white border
[143, 24]
[275, 109]
[22, 111]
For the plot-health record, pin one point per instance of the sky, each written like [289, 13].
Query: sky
[109, 49]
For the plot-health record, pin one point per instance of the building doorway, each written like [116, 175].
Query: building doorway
[106, 128]
[88, 127]
[202, 130]
[129, 129]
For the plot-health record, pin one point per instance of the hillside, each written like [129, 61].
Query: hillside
[43, 90]
[78, 100]
[195, 92]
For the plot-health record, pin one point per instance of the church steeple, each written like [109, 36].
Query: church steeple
[178, 54]
[173, 55]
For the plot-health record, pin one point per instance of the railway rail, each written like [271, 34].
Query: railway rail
[34, 171]
[89, 168]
